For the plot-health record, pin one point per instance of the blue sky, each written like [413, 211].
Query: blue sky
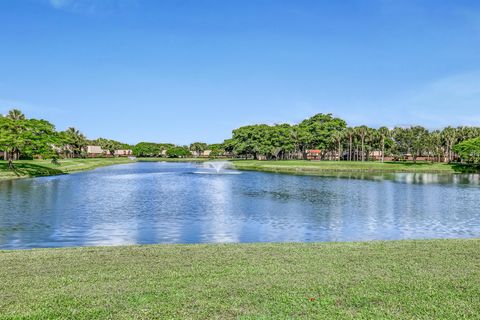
[185, 70]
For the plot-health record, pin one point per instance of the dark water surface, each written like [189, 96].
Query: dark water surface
[170, 203]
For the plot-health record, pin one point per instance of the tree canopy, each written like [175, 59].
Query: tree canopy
[21, 137]
[27, 137]
[150, 149]
[469, 150]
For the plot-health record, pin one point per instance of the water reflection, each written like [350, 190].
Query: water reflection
[168, 203]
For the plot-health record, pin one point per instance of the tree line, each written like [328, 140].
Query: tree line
[337, 141]
[21, 137]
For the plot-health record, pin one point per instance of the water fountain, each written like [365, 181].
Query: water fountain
[217, 167]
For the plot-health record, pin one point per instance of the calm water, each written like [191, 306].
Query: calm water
[169, 203]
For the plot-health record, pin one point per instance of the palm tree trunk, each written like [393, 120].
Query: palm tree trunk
[350, 149]
[363, 149]
[383, 150]
[339, 150]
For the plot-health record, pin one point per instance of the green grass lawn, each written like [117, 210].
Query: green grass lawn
[425, 279]
[36, 168]
[320, 167]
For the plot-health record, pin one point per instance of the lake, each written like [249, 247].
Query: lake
[143, 203]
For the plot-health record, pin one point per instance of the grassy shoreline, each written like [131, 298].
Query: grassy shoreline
[37, 168]
[324, 167]
[40, 168]
[420, 279]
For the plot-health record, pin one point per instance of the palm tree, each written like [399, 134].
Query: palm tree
[75, 140]
[362, 132]
[384, 133]
[337, 138]
[15, 114]
[350, 133]
[436, 145]
[449, 136]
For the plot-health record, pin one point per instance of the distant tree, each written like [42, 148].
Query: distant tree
[31, 137]
[337, 139]
[178, 152]
[435, 145]
[216, 150]
[73, 142]
[198, 147]
[362, 132]
[251, 140]
[419, 141]
[350, 135]
[319, 129]
[110, 145]
[15, 114]
[384, 134]
[469, 150]
[450, 136]
[150, 149]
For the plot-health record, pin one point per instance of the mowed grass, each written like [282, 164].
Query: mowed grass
[424, 279]
[36, 168]
[320, 167]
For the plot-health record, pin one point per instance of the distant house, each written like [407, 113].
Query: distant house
[376, 154]
[204, 153]
[314, 154]
[123, 153]
[95, 151]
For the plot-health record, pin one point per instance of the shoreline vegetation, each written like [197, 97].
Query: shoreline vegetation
[39, 168]
[304, 167]
[42, 168]
[405, 279]
[320, 137]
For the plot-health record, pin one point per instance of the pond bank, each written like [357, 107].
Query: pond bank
[40, 168]
[322, 167]
[389, 279]
[37, 168]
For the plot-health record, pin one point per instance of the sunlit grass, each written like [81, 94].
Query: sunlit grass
[36, 168]
[430, 279]
[312, 167]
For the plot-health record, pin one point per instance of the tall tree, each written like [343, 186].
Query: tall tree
[15, 114]
[350, 133]
[384, 133]
[419, 136]
[362, 132]
[469, 150]
[320, 129]
[19, 135]
[74, 141]
[198, 147]
[337, 139]
[449, 135]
